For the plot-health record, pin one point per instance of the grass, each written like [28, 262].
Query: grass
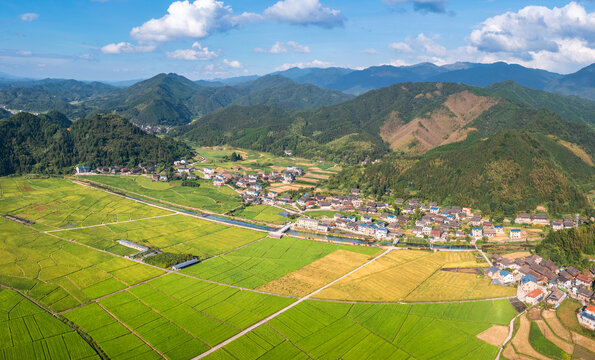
[566, 312]
[543, 346]
[266, 260]
[28, 332]
[58, 203]
[347, 331]
[413, 275]
[206, 197]
[265, 213]
[178, 234]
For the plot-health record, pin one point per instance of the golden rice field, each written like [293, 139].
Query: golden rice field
[413, 275]
[317, 274]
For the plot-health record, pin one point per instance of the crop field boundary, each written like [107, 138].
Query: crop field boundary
[80, 332]
[112, 223]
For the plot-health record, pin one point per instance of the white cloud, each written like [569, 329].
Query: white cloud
[24, 53]
[197, 52]
[430, 46]
[558, 39]
[233, 64]
[281, 47]
[185, 19]
[303, 65]
[400, 47]
[126, 48]
[370, 51]
[29, 16]
[423, 6]
[304, 12]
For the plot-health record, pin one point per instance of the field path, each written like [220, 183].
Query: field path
[132, 331]
[292, 305]
[112, 223]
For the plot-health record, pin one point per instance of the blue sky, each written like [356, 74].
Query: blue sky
[203, 39]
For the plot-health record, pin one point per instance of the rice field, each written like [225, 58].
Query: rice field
[28, 332]
[58, 203]
[178, 316]
[415, 276]
[176, 234]
[265, 213]
[206, 197]
[267, 260]
[323, 330]
[61, 274]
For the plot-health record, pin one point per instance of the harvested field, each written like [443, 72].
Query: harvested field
[511, 354]
[521, 340]
[470, 270]
[584, 341]
[316, 274]
[549, 334]
[279, 187]
[534, 314]
[516, 255]
[496, 335]
[552, 320]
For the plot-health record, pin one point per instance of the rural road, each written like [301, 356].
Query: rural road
[292, 305]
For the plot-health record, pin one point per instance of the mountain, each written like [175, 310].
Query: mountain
[60, 95]
[323, 77]
[503, 174]
[487, 74]
[4, 114]
[170, 99]
[30, 143]
[408, 118]
[275, 90]
[581, 83]
[569, 107]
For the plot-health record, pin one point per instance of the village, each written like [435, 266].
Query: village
[541, 281]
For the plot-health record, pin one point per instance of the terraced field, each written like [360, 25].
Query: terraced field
[28, 332]
[267, 260]
[206, 197]
[176, 234]
[323, 330]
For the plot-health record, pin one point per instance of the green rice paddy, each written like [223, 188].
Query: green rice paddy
[206, 197]
[265, 213]
[28, 332]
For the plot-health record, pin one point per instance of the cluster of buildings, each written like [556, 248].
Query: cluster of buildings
[253, 181]
[543, 220]
[541, 280]
[365, 227]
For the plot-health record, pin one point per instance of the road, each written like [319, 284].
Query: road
[292, 305]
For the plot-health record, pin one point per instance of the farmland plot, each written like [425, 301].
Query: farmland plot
[60, 274]
[57, 203]
[267, 260]
[179, 316]
[28, 332]
[206, 197]
[323, 330]
[176, 234]
[265, 213]
[413, 275]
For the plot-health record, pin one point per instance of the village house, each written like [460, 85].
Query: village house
[307, 223]
[583, 295]
[587, 317]
[515, 234]
[557, 225]
[523, 218]
[556, 297]
[163, 178]
[583, 280]
[541, 219]
[477, 233]
[534, 297]
[82, 170]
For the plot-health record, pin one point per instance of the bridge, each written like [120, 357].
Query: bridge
[279, 233]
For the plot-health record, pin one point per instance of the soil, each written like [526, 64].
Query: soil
[496, 335]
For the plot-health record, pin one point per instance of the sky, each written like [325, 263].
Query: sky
[117, 40]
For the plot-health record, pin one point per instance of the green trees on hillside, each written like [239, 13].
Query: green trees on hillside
[568, 247]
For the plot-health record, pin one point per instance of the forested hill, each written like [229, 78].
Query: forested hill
[408, 118]
[569, 246]
[29, 143]
[506, 173]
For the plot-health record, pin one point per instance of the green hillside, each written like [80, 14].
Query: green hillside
[506, 173]
[38, 144]
[408, 118]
